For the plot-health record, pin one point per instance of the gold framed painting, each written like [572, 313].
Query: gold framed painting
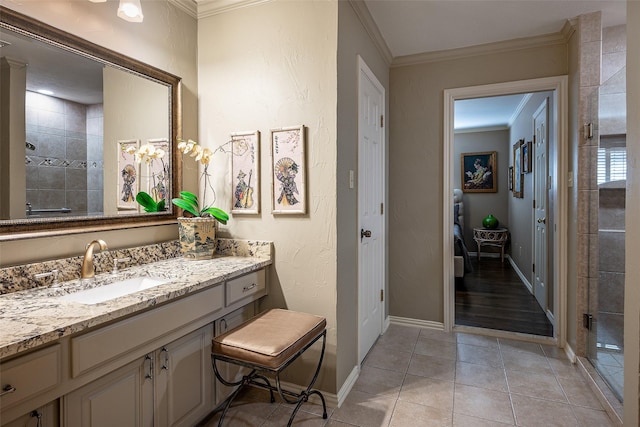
[479, 172]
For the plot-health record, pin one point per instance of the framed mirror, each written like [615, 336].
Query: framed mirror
[78, 123]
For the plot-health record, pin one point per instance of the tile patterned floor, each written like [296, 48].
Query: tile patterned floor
[420, 377]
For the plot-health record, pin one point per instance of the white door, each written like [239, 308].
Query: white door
[540, 192]
[370, 208]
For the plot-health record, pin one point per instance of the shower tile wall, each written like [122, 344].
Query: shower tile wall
[612, 253]
[57, 164]
[95, 184]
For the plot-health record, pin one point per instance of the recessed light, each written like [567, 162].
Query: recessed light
[45, 92]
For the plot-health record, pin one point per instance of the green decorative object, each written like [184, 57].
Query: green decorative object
[490, 222]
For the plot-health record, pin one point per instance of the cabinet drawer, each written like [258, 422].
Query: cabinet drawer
[30, 375]
[94, 348]
[245, 286]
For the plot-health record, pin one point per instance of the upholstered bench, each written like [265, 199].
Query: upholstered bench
[268, 343]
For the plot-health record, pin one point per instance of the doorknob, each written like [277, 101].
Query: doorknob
[542, 220]
[364, 233]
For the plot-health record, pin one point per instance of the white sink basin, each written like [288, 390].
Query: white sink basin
[114, 290]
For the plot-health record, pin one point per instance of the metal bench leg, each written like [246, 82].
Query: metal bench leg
[303, 396]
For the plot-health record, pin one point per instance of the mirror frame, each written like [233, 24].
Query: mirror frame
[20, 229]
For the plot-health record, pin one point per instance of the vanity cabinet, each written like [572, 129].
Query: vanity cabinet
[172, 386]
[28, 376]
[151, 368]
[47, 416]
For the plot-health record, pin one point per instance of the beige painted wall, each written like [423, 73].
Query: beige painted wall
[353, 40]
[264, 67]
[632, 291]
[134, 109]
[520, 211]
[416, 153]
[167, 40]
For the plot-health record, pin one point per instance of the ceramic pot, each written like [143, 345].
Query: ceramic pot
[490, 222]
[197, 237]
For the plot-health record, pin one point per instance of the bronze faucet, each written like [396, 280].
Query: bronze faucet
[88, 269]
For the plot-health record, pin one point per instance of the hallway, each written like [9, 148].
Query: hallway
[493, 296]
[424, 377]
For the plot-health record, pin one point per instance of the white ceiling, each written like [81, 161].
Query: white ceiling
[418, 26]
[412, 27]
[494, 112]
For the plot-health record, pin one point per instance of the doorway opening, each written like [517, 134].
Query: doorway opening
[515, 165]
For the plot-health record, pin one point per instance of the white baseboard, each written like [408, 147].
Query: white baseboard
[385, 324]
[571, 355]
[347, 386]
[520, 275]
[427, 324]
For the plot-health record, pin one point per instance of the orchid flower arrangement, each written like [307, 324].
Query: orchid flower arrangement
[189, 201]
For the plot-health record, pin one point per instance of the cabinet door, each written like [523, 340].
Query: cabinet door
[231, 372]
[49, 417]
[184, 379]
[121, 398]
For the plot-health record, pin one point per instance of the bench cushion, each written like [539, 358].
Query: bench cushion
[270, 339]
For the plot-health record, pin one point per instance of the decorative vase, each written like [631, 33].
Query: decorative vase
[490, 222]
[197, 237]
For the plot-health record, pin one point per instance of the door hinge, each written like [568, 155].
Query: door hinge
[534, 204]
[533, 268]
[381, 121]
[587, 320]
[381, 208]
[381, 295]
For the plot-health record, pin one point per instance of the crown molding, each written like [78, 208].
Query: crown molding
[481, 129]
[362, 11]
[519, 108]
[483, 49]
[208, 8]
[569, 28]
[188, 6]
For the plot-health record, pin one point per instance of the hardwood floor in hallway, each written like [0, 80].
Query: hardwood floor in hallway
[494, 297]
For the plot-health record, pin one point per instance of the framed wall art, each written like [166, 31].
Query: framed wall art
[245, 172]
[289, 170]
[479, 172]
[510, 178]
[128, 175]
[526, 157]
[518, 184]
[158, 170]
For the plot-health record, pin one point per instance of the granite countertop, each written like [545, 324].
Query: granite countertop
[34, 317]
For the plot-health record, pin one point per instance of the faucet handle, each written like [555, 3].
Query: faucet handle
[53, 273]
[117, 261]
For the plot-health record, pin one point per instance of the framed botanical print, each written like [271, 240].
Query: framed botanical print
[289, 170]
[245, 172]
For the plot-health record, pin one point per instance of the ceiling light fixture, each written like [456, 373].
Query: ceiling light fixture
[97, 1]
[130, 10]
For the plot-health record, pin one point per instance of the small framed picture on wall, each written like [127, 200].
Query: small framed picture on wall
[517, 170]
[289, 170]
[526, 157]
